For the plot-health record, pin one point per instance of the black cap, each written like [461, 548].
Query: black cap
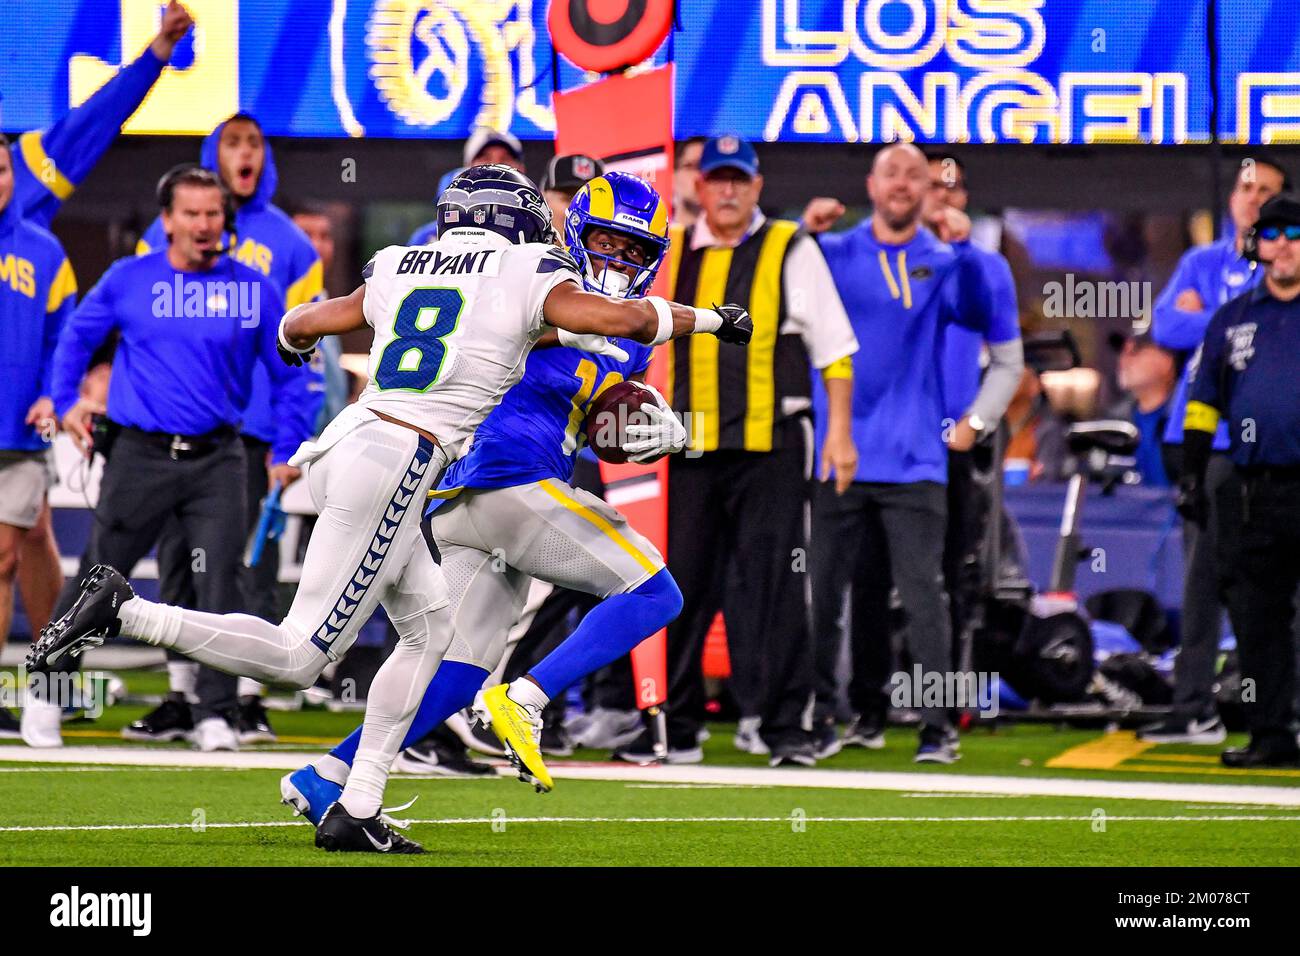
[571, 172]
[1281, 210]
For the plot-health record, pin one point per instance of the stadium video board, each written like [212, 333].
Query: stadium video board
[996, 71]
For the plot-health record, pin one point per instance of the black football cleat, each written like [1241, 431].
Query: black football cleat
[341, 832]
[89, 622]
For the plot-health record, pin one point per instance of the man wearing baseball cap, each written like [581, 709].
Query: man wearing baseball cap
[484, 146]
[1246, 377]
[738, 497]
[564, 176]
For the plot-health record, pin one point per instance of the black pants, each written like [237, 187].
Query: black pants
[967, 518]
[142, 489]
[874, 537]
[1202, 613]
[737, 543]
[1259, 570]
[258, 587]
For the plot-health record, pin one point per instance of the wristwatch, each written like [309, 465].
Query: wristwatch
[976, 423]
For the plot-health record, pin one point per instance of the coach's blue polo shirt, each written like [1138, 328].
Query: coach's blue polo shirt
[900, 299]
[189, 344]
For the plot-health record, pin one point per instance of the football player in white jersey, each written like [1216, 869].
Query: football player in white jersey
[453, 322]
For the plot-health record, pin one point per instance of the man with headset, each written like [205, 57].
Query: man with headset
[193, 324]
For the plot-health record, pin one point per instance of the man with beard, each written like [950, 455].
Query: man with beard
[902, 286]
[1206, 277]
[1250, 359]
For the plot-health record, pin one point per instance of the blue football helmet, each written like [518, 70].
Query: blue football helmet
[623, 204]
[498, 199]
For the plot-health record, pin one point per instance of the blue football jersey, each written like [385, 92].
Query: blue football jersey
[536, 431]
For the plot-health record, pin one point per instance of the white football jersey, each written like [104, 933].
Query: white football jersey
[453, 322]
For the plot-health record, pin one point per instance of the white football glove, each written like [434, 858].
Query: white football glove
[590, 342]
[663, 435]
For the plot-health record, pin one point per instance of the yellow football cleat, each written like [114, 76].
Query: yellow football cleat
[520, 734]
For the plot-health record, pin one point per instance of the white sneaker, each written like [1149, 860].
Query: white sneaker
[747, 739]
[42, 723]
[605, 729]
[213, 733]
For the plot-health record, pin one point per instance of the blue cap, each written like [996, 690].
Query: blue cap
[729, 150]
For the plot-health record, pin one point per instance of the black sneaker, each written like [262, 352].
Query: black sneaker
[170, 720]
[1269, 752]
[865, 731]
[340, 832]
[826, 739]
[252, 723]
[642, 751]
[936, 746]
[10, 729]
[441, 754]
[799, 753]
[556, 741]
[484, 740]
[89, 622]
[1207, 729]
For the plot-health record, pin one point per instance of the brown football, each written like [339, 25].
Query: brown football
[610, 413]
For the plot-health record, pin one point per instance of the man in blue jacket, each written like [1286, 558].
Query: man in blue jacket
[37, 293]
[267, 240]
[902, 287]
[193, 324]
[50, 163]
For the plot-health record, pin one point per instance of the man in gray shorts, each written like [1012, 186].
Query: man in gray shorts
[37, 292]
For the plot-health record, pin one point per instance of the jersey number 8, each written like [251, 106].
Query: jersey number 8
[413, 360]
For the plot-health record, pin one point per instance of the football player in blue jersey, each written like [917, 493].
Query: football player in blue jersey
[505, 511]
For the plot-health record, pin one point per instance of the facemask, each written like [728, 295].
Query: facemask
[611, 283]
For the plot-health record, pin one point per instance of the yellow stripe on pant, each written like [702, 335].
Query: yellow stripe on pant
[556, 492]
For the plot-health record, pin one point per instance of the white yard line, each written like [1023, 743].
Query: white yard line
[818, 779]
[507, 821]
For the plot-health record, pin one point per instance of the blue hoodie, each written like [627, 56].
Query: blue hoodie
[267, 240]
[49, 164]
[37, 294]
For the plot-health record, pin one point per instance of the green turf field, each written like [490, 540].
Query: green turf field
[195, 816]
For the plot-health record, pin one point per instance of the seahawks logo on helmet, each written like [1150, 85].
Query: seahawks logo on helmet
[496, 198]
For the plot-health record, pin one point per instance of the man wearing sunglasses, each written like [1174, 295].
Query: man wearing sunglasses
[1250, 363]
[1206, 277]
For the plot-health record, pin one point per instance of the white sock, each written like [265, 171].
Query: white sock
[182, 678]
[332, 769]
[525, 693]
[394, 697]
[249, 688]
[157, 624]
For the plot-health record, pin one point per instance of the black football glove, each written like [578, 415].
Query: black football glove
[295, 359]
[737, 326]
[1191, 501]
[287, 355]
